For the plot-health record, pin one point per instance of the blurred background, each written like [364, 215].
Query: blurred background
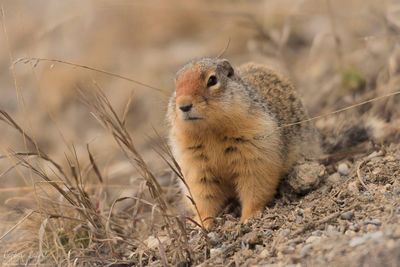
[337, 53]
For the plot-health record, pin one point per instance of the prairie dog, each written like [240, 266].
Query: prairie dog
[227, 133]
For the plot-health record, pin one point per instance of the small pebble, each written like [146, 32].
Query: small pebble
[317, 233]
[288, 250]
[252, 238]
[348, 215]
[390, 158]
[152, 242]
[297, 240]
[331, 230]
[299, 219]
[246, 253]
[229, 225]
[355, 227]
[214, 238]
[343, 169]
[305, 177]
[359, 240]
[388, 187]
[305, 250]
[264, 254]
[353, 187]
[334, 178]
[350, 233]
[313, 239]
[215, 251]
[371, 228]
[325, 189]
[396, 232]
[376, 171]
[373, 221]
[259, 247]
[285, 232]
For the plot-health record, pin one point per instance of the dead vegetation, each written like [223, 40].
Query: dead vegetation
[88, 180]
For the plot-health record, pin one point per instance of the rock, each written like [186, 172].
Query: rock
[376, 171]
[229, 225]
[215, 251]
[390, 158]
[359, 240]
[246, 253]
[334, 178]
[285, 232]
[348, 215]
[259, 247]
[353, 187]
[288, 250]
[153, 243]
[214, 238]
[371, 228]
[252, 238]
[396, 232]
[305, 176]
[325, 189]
[313, 239]
[355, 227]
[331, 230]
[317, 233]
[343, 169]
[264, 254]
[350, 233]
[305, 250]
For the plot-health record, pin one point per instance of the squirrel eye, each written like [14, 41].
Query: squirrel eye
[212, 81]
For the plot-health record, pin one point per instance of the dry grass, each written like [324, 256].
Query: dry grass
[79, 225]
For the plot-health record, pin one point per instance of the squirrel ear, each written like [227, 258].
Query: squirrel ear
[227, 66]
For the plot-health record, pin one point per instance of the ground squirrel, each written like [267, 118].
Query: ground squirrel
[227, 135]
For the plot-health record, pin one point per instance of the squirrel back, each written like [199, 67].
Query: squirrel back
[284, 104]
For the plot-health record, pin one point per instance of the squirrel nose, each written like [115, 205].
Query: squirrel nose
[186, 107]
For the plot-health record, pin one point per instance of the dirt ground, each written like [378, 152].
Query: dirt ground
[341, 209]
[344, 222]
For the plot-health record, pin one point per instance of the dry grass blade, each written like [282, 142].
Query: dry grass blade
[45, 177]
[108, 117]
[225, 49]
[5, 117]
[360, 176]
[126, 109]
[17, 224]
[344, 109]
[94, 165]
[9, 169]
[104, 111]
[75, 195]
[36, 60]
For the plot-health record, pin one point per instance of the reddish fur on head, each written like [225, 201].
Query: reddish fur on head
[188, 83]
[190, 86]
[199, 99]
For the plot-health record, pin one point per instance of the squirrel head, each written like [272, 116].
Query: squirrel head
[202, 89]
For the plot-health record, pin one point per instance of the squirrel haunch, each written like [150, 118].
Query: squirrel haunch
[228, 135]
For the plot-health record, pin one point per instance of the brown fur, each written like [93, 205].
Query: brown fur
[230, 144]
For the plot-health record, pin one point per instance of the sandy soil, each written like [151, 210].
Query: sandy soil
[344, 222]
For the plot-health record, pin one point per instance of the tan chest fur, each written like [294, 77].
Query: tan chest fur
[226, 152]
